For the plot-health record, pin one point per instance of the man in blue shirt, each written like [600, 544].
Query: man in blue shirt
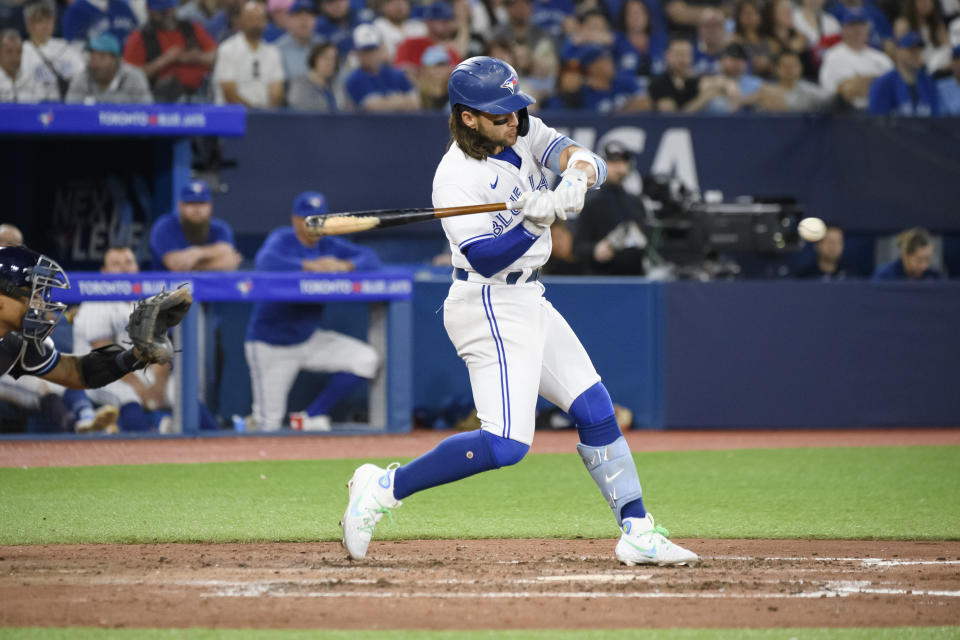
[189, 239]
[375, 85]
[949, 88]
[84, 20]
[907, 89]
[284, 338]
[603, 89]
[916, 253]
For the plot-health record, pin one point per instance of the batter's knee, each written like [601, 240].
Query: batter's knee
[592, 406]
[504, 451]
[368, 361]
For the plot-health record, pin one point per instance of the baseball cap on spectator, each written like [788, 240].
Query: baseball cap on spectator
[365, 37]
[309, 203]
[302, 6]
[590, 53]
[438, 11]
[279, 5]
[437, 54]
[195, 191]
[161, 5]
[853, 16]
[910, 40]
[106, 43]
[735, 50]
[616, 151]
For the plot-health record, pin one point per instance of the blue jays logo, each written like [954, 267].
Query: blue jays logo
[46, 118]
[244, 287]
[510, 84]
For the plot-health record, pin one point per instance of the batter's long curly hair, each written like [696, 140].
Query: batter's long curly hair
[471, 141]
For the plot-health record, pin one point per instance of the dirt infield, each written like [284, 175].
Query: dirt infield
[480, 584]
[470, 584]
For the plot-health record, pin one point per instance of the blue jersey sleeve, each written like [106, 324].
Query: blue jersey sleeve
[882, 97]
[363, 258]
[400, 81]
[165, 236]
[493, 255]
[220, 231]
[359, 86]
[278, 254]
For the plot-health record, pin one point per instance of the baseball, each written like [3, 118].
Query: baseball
[812, 229]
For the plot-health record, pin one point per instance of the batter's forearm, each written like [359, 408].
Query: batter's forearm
[493, 255]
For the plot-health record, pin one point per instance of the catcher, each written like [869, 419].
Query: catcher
[28, 315]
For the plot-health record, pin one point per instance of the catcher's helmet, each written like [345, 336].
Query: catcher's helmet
[31, 277]
[489, 84]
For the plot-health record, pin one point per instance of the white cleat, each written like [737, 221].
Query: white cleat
[643, 542]
[371, 496]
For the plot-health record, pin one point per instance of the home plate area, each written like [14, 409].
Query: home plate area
[481, 584]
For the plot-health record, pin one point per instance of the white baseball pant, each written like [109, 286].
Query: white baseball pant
[516, 346]
[274, 368]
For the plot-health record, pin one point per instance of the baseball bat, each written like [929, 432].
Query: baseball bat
[333, 224]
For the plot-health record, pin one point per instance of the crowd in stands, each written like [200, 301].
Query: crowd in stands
[714, 56]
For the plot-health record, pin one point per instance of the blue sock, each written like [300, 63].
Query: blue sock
[78, 404]
[132, 418]
[339, 385]
[459, 456]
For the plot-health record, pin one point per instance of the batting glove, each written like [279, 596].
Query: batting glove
[570, 192]
[539, 210]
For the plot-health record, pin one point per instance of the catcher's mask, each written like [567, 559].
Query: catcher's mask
[30, 276]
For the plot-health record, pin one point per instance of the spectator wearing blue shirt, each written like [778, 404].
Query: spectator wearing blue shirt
[734, 87]
[337, 21]
[189, 239]
[84, 20]
[284, 338]
[637, 47]
[712, 38]
[278, 12]
[375, 85]
[949, 88]
[906, 90]
[557, 17]
[916, 253]
[881, 31]
[603, 89]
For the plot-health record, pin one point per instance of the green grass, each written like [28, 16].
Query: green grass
[896, 633]
[908, 493]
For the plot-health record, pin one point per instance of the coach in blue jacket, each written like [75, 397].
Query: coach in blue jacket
[283, 338]
[907, 90]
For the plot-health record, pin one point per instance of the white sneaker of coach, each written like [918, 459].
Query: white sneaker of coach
[371, 496]
[643, 542]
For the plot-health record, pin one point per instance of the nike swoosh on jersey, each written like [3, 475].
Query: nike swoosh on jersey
[613, 477]
[494, 185]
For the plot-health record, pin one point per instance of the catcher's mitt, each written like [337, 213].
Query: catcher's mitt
[152, 318]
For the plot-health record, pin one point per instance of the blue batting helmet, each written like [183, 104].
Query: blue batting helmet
[31, 277]
[489, 84]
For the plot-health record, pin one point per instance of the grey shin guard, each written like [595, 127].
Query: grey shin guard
[613, 469]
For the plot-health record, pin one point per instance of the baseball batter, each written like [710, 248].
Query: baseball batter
[514, 343]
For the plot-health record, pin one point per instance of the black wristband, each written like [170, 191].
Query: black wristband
[104, 365]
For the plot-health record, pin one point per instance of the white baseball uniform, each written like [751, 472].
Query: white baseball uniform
[108, 321]
[514, 343]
